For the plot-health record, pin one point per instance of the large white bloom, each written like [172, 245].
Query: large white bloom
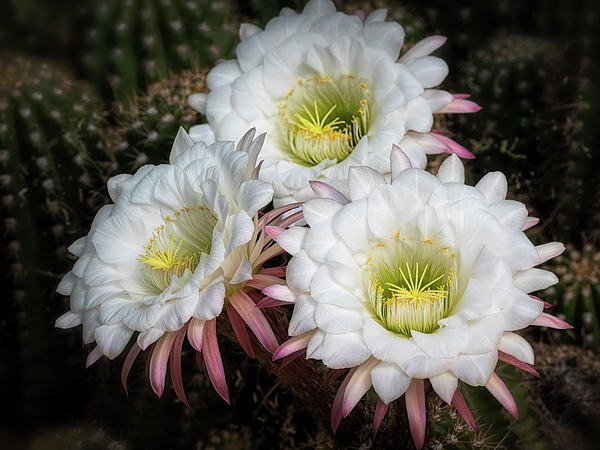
[423, 278]
[331, 92]
[168, 247]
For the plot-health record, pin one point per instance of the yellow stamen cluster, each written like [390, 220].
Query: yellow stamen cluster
[325, 119]
[410, 284]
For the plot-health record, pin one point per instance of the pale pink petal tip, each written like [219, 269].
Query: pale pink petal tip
[274, 232]
[158, 362]
[323, 190]
[415, 407]
[360, 14]
[269, 302]
[239, 329]
[175, 366]
[459, 106]
[335, 373]
[219, 61]
[546, 304]
[499, 390]
[463, 409]
[131, 356]
[509, 359]
[547, 320]
[453, 147]
[281, 292]
[462, 96]
[255, 319]
[380, 411]
[289, 358]
[256, 171]
[550, 250]
[94, 356]
[338, 401]
[212, 359]
[293, 345]
[531, 221]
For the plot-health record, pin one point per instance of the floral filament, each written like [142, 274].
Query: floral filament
[325, 118]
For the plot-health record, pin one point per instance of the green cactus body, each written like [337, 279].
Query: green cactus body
[145, 131]
[50, 172]
[135, 42]
[576, 298]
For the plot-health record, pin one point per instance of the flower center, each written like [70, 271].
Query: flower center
[411, 284]
[176, 248]
[325, 118]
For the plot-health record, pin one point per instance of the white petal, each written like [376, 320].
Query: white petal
[534, 280]
[301, 271]
[515, 345]
[389, 381]
[252, 195]
[430, 70]
[210, 301]
[149, 337]
[325, 290]
[362, 181]
[494, 186]
[292, 239]
[475, 370]
[451, 170]
[303, 317]
[320, 209]
[444, 343]
[423, 48]
[341, 351]
[445, 385]
[437, 99]
[484, 334]
[336, 320]
[351, 224]
[388, 36]
[202, 133]
[387, 346]
[378, 15]
[248, 29]
[521, 311]
[113, 339]
[417, 116]
[315, 346]
[510, 213]
[425, 366]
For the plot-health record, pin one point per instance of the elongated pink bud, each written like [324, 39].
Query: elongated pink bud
[510, 359]
[294, 345]
[175, 365]
[131, 356]
[454, 147]
[415, 407]
[459, 106]
[336, 408]
[463, 409]
[292, 218]
[158, 362]
[547, 320]
[323, 190]
[239, 329]
[255, 320]
[380, 411]
[499, 390]
[212, 358]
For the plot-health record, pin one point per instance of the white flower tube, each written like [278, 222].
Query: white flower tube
[331, 92]
[423, 278]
